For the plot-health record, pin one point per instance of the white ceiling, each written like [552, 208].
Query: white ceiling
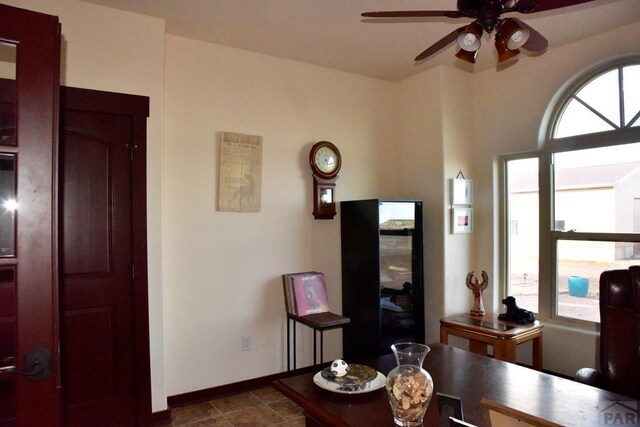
[331, 33]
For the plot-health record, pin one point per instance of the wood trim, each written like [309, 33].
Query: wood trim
[141, 286]
[239, 387]
[104, 102]
[160, 418]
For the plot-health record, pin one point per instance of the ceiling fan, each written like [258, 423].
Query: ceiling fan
[511, 33]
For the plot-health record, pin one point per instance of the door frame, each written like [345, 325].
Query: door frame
[137, 109]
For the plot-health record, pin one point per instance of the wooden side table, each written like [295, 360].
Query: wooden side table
[488, 329]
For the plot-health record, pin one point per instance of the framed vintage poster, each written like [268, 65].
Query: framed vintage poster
[240, 173]
[461, 220]
[461, 191]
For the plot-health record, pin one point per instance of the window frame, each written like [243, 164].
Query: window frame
[548, 236]
[505, 219]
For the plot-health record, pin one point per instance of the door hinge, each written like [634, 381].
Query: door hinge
[131, 148]
[133, 272]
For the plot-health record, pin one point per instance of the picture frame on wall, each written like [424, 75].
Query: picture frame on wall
[461, 220]
[461, 191]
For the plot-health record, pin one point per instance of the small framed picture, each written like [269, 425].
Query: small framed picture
[461, 191]
[461, 220]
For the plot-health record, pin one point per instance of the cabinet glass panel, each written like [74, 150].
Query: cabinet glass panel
[397, 223]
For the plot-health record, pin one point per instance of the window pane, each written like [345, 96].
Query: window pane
[577, 119]
[579, 266]
[522, 205]
[631, 87]
[602, 95]
[597, 190]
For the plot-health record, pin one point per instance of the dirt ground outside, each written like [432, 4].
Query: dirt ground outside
[524, 287]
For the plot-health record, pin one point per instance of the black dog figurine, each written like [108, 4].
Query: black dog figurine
[516, 314]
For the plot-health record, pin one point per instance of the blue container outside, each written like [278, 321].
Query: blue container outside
[578, 286]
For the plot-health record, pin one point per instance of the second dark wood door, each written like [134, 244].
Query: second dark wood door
[97, 309]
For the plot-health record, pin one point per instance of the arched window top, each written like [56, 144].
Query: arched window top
[608, 101]
[589, 184]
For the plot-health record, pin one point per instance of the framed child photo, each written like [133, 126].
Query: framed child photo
[461, 220]
[461, 191]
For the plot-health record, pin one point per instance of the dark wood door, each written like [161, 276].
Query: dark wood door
[96, 298]
[28, 252]
[105, 362]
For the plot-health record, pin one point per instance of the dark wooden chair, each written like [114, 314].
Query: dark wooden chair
[318, 321]
[500, 415]
[619, 334]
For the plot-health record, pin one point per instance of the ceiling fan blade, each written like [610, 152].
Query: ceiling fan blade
[536, 42]
[414, 14]
[440, 44]
[533, 6]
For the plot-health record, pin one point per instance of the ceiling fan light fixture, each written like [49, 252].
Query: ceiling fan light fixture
[466, 56]
[504, 53]
[469, 39]
[511, 33]
[515, 34]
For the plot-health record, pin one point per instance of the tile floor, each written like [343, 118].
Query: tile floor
[258, 408]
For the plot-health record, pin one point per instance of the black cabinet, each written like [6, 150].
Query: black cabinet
[382, 275]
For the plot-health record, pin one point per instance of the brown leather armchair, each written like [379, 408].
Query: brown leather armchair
[619, 334]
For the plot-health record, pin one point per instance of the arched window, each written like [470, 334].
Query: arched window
[606, 102]
[587, 181]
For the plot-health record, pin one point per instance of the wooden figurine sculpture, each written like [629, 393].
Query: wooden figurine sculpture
[477, 287]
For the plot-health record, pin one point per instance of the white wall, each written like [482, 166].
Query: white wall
[107, 49]
[459, 149]
[223, 269]
[434, 125]
[417, 144]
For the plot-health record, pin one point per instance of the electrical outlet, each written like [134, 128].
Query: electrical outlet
[246, 343]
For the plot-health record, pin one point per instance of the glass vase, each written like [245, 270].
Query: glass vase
[409, 386]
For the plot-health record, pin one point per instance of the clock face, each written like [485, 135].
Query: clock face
[326, 160]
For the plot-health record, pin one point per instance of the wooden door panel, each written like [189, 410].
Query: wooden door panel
[7, 113]
[7, 341]
[97, 287]
[7, 405]
[88, 250]
[7, 295]
[28, 131]
[95, 380]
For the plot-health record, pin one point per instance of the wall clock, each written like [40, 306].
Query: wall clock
[325, 161]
